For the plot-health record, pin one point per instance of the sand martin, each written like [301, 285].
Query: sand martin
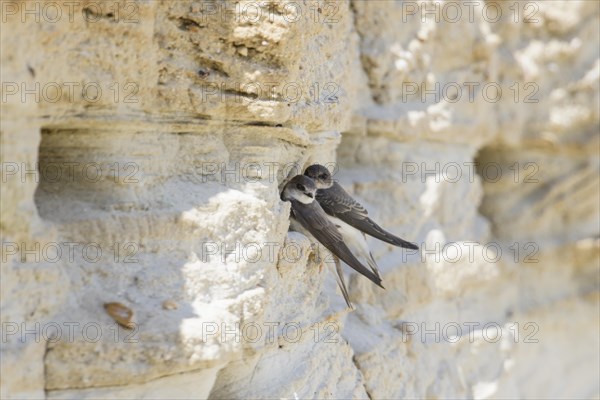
[307, 212]
[354, 238]
[337, 203]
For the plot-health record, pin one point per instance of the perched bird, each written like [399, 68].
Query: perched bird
[354, 238]
[312, 220]
[337, 203]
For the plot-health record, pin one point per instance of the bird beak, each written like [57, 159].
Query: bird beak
[310, 195]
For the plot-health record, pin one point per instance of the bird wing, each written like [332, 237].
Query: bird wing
[337, 202]
[313, 218]
[341, 283]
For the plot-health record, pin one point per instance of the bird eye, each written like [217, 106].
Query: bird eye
[322, 176]
[301, 187]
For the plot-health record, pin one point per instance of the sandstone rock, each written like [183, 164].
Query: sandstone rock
[144, 146]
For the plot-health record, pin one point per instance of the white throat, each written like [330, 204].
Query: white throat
[324, 185]
[293, 193]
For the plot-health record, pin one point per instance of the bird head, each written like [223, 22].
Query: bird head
[300, 188]
[321, 176]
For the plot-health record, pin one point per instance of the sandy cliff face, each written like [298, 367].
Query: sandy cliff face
[144, 144]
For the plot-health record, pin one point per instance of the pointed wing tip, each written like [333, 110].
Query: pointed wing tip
[378, 283]
[396, 241]
[373, 278]
[407, 245]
